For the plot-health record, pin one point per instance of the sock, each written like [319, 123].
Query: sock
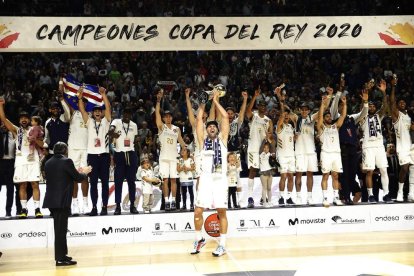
[309, 194]
[24, 204]
[250, 183]
[36, 204]
[370, 193]
[289, 195]
[173, 198]
[166, 199]
[223, 240]
[281, 194]
[85, 201]
[384, 180]
[400, 187]
[75, 202]
[325, 194]
[198, 235]
[336, 193]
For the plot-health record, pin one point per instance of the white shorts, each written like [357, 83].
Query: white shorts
[253, 160]
[287, 164]
[405, 158]
[197, 163]
[27, 173]
[374, 157]
[306, 162]
[212, 191]
[331, 162]
[168, 169]
[79, 157]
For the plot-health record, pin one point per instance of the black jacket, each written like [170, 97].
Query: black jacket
[60, 177]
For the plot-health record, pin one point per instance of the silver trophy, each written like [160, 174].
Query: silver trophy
[205, 95]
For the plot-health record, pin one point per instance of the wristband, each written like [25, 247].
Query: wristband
[60, 82]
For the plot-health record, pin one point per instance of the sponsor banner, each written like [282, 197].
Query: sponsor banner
[310, 220]
[59, 34]
[174, 226]
[348, 219]
[392, 217]
[24, 233]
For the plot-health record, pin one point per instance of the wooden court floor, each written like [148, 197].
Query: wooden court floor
[374, 253]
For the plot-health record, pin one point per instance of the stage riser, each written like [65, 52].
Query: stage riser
[179, 226]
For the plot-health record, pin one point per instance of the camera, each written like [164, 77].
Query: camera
[103, 73]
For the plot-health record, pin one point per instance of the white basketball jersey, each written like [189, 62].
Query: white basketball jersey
[127, 133]
[372, 132]
[402, 132]
[98, 140]
[23, 148]
[207, 160]
[78, 132]
[168, 141]
[330, 139]
[285, 144]
[258, 130]
[305, 142]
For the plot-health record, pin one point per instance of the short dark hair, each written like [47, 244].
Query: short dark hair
[60, 148]
[212, 123]
[37, 119]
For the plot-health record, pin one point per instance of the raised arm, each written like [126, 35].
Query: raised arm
[9, 125]
[249, 111]
[190, 112]
[343, 113]
[66, 109]
[224, 124]
[180, 139]
[108, 111]
[200, 125]
[364, 111]
[324, 105]
[393, 100]
[81, 105]
[281, 98]
[158, 120]
[212, 112]
[243, 108]
[335, 102]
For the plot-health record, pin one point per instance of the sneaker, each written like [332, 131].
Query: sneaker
[400, 197]
[167, 206]
[325, 202]
[298, 200]
[387, 198]
[338, 202]
[198, 245]
[220, 251]
[281, 201]
[173, 206]
[93, 212]
[133, 210]
[104, 211]
[22, 214]
[85, 207]
[250, 203]
[371, 199]
[410, 198]
[75, 210]
[192, 207]
[309, 201]
[38, 213]
[146, 212]
[117, 211]
[289, 201]
[261, 201]
[8, 215]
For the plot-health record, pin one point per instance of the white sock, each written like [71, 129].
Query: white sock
[309, 194]
[289, 195]
[325, 194]
[36, 204]
[24, 204]
[166, 199]
[85, 201]
[336, 193]
[198, 235]
[400, 187]
[384, 180]
[173, 198]
[370, 193]
[281, 194]
[223, 240]
[250, 183]
[75, 202]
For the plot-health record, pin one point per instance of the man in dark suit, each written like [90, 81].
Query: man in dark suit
[60, 176]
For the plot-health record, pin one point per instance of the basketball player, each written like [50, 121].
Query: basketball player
[98, 149]
[285, 150]
[331, 151]
[373, 151]
[260, 125]
[25, 170]
[212, 191]
[402, 125]
[168, 134]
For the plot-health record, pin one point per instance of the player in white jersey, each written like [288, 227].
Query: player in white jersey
[213, 189]
[285, 150]
[25, 170]
[373, 151]
[168, 135]
[77, 151]
[331, 151]
[98, 149]
[402, 125]
[260, 125]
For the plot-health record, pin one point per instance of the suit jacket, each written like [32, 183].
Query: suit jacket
[60, 177]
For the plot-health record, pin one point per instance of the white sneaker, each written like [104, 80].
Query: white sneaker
[309, 201]
[400, 197]
[220, 251]
[85, 208]
[75, 210]
[325, 202]
[410, 198]
[337, 202]
[298, 200]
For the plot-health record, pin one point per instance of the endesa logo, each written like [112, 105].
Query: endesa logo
[6, 235]
[306, 221]
[409, 217]
[387, 218]
[32, 234]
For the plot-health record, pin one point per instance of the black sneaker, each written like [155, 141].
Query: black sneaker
[192, 207]
[133, 210]
[38, 213]
[184, 208]
[104, 211]
[22, 214]
[93, 212]
[281, 201]
[167, 206]
[250, 203]
[387, 198]
[261, 201]
[173, 206]
[117, 211]
[289, 201]
[371, 199]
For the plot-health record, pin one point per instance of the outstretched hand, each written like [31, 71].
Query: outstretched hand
[382, 86]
